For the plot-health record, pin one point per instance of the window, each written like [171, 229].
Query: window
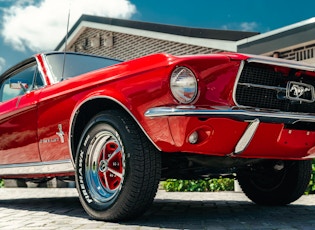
[21, 82]
[74, 64]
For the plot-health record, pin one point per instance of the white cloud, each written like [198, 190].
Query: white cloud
[41, 25]
[244, 26]
[2, 63]
[248, 26]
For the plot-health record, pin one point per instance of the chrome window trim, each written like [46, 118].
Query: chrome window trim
[49, 167]
[48, 70]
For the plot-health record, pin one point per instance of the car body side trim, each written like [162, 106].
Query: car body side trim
[241, 114]
[50, 167]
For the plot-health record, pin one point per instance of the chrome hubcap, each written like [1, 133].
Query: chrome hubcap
[105, 167]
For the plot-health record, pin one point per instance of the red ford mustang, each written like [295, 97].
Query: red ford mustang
[117, 128]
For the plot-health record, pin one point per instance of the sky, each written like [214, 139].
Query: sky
[32, 26]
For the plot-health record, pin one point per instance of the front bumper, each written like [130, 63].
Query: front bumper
[239, 114]
[243, 132]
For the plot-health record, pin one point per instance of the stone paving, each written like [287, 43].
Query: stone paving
[59, 208]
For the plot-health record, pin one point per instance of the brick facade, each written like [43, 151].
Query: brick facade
[126, 39]
[302, 53]
[125, 47]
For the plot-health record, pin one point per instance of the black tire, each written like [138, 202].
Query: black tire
[117, 168]
[276, 182]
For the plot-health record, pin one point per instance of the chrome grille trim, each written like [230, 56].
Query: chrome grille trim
[236, 81]
[262, 87]
[282, 63]
[278, 89]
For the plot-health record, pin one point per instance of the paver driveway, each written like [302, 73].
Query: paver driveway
[48, 208]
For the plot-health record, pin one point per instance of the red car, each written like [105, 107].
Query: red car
[118, 128]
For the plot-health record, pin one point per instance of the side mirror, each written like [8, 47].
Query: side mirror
[19, 85]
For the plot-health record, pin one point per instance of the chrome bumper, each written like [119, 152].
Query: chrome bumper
[252, 117]
[239, 114]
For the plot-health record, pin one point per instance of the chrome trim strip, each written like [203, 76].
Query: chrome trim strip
[240, 70]
[49, 167]
[247, 136]
[281, 62]
[276, 88]
[40, 69]
[233, 113]
[48, 71]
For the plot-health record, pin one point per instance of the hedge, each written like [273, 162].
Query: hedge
[219, 184]
[206, 185]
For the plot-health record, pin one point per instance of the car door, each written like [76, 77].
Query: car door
[19, 92]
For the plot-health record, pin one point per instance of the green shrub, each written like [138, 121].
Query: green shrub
[311, 187]
[206, 185]
[217, 184]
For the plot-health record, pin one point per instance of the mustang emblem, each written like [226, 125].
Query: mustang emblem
[61, 133]
[298, 91]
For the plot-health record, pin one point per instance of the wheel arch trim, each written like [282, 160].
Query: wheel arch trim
[76, 111]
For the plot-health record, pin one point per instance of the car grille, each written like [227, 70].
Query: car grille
[260, 86]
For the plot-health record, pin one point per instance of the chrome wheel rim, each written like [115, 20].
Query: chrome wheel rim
[105, 166]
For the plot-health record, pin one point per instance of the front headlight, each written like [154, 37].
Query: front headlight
[184, 85]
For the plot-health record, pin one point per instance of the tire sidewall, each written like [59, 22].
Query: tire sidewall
[291, 186]
[101, 122]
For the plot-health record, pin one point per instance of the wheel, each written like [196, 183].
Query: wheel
[275, 182]
[117, 168]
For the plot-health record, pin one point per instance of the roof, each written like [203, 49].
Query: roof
[282, 38]
[170, 32]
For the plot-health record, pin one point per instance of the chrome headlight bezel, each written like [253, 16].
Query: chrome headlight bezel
[183, 85]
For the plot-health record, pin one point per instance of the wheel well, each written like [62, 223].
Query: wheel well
[85, 113]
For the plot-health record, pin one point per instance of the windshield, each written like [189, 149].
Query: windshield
[75, 64]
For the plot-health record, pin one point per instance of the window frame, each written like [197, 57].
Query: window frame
[19, 68]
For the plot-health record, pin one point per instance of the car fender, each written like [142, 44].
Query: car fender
[116, 100]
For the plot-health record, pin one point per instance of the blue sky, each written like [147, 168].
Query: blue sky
[32, 26]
